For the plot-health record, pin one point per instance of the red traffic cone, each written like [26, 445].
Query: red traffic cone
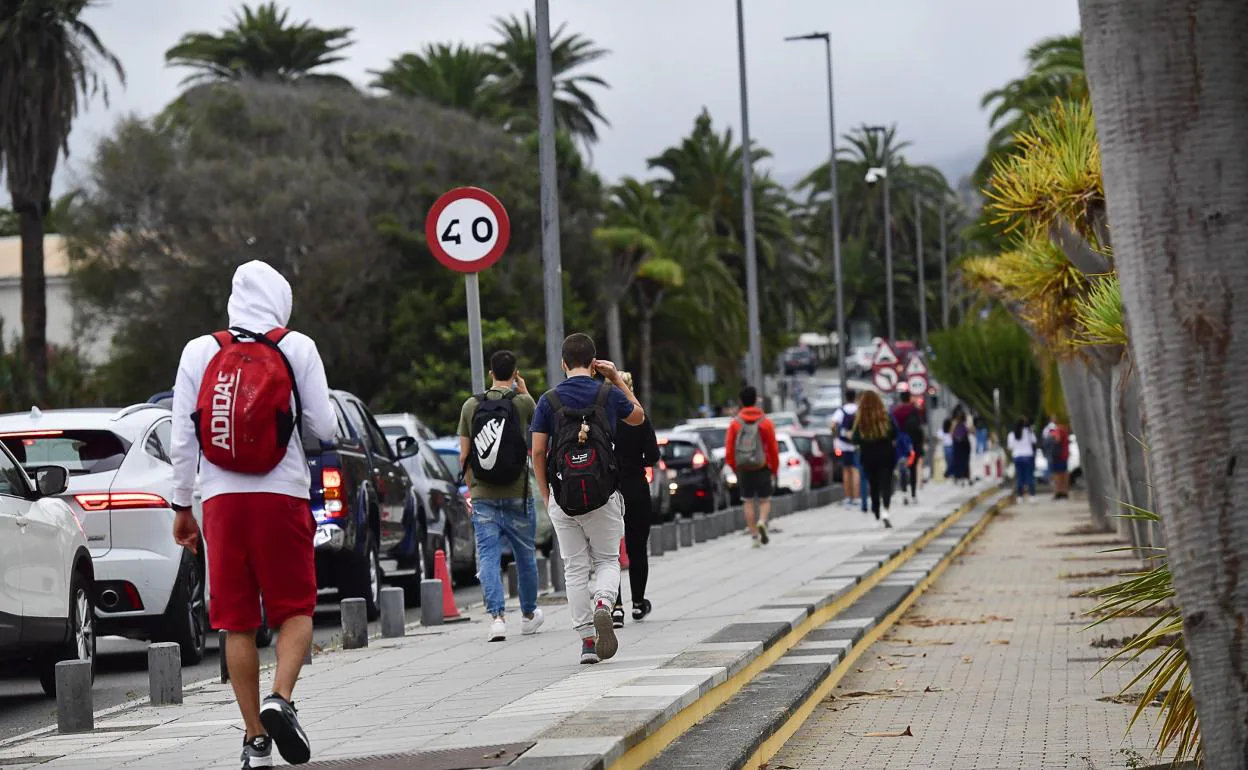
[623, 555]
[449, 610]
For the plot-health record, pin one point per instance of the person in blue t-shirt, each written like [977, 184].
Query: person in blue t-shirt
[589, 539]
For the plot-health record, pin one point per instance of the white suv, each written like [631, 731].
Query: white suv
[46, 578]
[120, 483]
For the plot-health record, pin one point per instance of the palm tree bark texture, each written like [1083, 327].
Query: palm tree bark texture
[1167, 83]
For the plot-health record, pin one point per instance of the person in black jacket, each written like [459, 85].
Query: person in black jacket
[636, 449]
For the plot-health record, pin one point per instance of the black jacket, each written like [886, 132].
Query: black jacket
[636, 448]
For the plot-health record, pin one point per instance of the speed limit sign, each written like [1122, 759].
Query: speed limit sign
[467, 229]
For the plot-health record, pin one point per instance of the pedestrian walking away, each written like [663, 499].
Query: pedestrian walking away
[946, 443]
[494, 455]
[636, 448]
[243, 402]
[578, 476]
[961, 447]
[875, 435]
[910, 420]
[1021, 443]
[843, 430]
[1056, 443]
[753, 454]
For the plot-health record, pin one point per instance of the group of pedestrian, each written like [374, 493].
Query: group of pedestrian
[1024, 446]
[878, 448]
[956, 433]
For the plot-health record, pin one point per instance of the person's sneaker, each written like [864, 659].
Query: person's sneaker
[605, 643]
[905, 501]
[530, 625]
[617, 615]
[280, 719]
[762, 534]
[887, 522]
[641, 609]
[257, 752]
[498, 629]
[589, 654]
[756, 543]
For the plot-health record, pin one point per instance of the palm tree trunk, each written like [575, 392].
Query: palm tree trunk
[615, 341]
[1167, 85]
[1128, 425]
[1081, 404]
[34, 296]
[647, 350]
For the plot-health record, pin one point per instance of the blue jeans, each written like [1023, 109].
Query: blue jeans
[981, 441]
[949, 461]
[1025, 475]
[515, 520]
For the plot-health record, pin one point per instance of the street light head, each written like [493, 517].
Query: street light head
[811, 36]
[875, 174]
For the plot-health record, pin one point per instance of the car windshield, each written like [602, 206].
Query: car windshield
[802, 443]
[394, 431]
[452, 461]
[677, 452]
[784, 419]
[784, 446]
[714, 437]
[80, 451]
[826, 443]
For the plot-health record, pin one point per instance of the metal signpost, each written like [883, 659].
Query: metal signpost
[468, 230]
[706, 378]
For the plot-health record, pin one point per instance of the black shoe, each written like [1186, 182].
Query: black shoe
[641, 609]
[762, 534]
[617, 616]
[257, 752]
[280, 719]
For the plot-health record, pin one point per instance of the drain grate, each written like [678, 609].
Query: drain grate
[470, 758]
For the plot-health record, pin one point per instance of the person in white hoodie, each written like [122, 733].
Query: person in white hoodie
[258, 527]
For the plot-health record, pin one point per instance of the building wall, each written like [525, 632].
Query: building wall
[93, 344]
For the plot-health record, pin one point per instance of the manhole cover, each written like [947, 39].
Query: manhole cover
[443, 759]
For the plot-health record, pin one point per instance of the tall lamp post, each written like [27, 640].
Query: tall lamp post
[836, 213]
[747, 194]
[552, 269]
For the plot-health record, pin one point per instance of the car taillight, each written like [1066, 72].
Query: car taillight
[332, 490]
[699, 459]
[117, 501]
[794, 462]
[649, 475]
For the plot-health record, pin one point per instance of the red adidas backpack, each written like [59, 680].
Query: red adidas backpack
[243, 418]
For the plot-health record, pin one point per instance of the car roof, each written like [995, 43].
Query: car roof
[683, 436]
[705, 422]
[444, 444]
[129, 422]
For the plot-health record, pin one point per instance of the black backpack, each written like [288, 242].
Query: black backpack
[498, 452]
[581, 463]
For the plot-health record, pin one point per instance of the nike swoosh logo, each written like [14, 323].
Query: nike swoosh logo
[492, 430]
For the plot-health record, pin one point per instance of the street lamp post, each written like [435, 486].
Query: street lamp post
[873, 175]
[552, 270]
[747, 204]
[836, 213]
[944, 269]
[918, 251]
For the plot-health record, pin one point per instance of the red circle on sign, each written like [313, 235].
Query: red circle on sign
[495, 252]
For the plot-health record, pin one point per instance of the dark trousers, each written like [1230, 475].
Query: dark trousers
[637, 512]
[879, 473]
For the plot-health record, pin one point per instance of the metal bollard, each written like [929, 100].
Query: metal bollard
[684, 528]
[557, 583]
[543, 574]
[75, 710]
[671, 541]
[513, 580]
[164, 673]
[307, 656]
[656, 542]
[699, 528]
[354, 623]
[225, 668]
[739, 513]
[393, 612]
[431, 602]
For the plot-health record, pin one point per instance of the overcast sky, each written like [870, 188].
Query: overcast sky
[923, 64]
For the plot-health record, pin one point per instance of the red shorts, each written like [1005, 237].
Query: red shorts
[259, 544]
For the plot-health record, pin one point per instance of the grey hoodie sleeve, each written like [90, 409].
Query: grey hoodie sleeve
[319, 421]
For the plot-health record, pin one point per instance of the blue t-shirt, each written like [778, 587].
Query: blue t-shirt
[579, 392]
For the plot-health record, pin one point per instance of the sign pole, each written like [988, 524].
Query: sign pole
[472, 287]
[552, 267]
[706, 394]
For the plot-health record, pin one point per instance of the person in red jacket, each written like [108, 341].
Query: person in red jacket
[754, 455]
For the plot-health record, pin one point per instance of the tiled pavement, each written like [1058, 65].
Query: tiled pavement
[446, 687]
[1013, 688]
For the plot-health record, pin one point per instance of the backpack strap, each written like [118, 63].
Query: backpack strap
[271, 338]
[223, 338]
[556, 403]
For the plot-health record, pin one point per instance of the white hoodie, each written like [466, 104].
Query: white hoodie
[259, 302]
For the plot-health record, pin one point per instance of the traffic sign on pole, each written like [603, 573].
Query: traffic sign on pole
[917, 383]
[885, 355]
[468, 230]
[886, 379]
[916, 366]
[705, 374]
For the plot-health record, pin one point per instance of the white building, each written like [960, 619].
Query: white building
[63, 316]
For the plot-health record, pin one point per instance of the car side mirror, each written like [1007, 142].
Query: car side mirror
[51, 480]
[406, 446]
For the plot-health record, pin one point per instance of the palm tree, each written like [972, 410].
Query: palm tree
[50, 62]
[457, 76]
[576, 112]
[632, 215]
[1175, 204]
[261, 43]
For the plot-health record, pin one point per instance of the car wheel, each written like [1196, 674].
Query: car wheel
[363, 579]
[186, 619]
[81, 642]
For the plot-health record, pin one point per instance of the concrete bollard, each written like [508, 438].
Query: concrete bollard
[722, 523]
[543, 574]
[164, 673]
[513, 581]
[656, 542]
[225, 668]
[354, 614]
[393, 612]
[556, 570]
[684, 529]
[307, 656]
[671, 540]
[699, 528]
[431, 602]
[741, 523]
[75, 710]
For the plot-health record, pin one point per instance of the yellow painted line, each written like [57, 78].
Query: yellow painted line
[637, 756]
[772, 745]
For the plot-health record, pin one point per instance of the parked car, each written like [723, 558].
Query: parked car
[660, 494]
[693, 474]
[121, 480]
[820, 414]
[46, 593]
[785, 420]
[396, 426]
[804, 441]
[1072, 463]
[860, 361]
[365, 507]
[827, 443]
[794, 473]
[714, 433]
[799, 359]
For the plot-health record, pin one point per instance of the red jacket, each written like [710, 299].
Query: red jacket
[765, 429]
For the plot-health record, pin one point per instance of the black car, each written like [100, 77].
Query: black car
[800, 360]
[694, 476]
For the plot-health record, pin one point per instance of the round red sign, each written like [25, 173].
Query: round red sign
[467, 229]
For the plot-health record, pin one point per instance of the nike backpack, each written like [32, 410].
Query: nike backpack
[747, 448]
[499, 452]
[243, 416]
[582, 464]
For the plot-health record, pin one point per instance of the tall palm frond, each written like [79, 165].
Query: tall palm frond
[459, 77]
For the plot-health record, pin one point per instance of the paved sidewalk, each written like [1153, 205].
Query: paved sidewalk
[992, 667]
[447, 688]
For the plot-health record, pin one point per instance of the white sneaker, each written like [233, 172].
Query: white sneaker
[530, 625]
[887, 522]
[498, 630]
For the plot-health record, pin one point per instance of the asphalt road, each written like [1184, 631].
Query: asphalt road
[121, 670]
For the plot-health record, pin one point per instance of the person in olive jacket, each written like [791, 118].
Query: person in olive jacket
[636, 449]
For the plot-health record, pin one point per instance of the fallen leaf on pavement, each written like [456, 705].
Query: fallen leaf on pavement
[868, 694]
[903, 734]
[925, 622]
[929, 688]
[967, 659]
[1000, 641]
